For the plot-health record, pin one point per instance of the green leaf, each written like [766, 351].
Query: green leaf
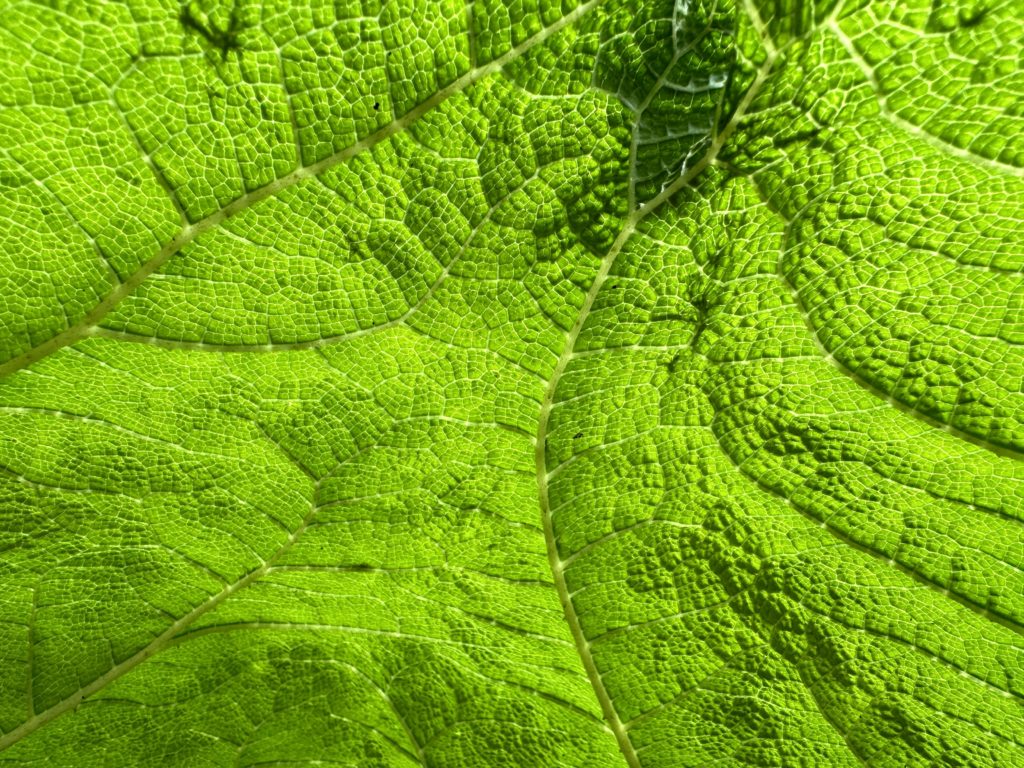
[458, 384]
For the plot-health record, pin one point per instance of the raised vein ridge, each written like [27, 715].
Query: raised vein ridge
[558, 564]
[191, 231]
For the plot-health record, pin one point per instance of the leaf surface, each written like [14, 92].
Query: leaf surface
[425, 383]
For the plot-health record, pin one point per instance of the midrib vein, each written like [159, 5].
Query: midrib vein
[618, 728]
[190, 232]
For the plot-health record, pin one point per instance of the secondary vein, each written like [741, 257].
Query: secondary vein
[191, 231]
[558, 565]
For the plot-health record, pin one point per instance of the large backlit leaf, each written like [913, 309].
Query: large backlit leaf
[491, 383]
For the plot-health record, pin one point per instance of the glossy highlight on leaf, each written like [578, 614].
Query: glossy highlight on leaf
[490, 384]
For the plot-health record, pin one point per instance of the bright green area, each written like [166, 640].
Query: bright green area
[507, 384]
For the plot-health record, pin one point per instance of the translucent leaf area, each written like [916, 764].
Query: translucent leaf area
[511, 383]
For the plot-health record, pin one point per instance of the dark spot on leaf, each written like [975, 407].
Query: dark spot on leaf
[715, 257]
[376, 105]
[224, 40]
[577, 436]
[674, 316]
[972, 17]
[125, 174]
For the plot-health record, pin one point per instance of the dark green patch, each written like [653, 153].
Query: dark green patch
[224, 40]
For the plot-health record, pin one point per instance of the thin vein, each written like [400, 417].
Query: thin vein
[963, 600]
[910, 128]
[191, 231]
[160, 642]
